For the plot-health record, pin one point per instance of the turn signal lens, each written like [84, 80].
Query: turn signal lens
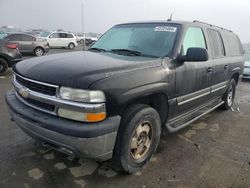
[81, 116]
[94, 117]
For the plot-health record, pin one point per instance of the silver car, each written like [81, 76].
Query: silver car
[246, 73]
[28, 44]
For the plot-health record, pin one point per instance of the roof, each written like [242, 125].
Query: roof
[195, 22]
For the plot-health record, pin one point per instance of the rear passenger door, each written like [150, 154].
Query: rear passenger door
[64, 39]
[193, 79]
[220, 64]
[28, 43]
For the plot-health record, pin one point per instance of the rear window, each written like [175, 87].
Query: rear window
[217, 46]
[232, 44]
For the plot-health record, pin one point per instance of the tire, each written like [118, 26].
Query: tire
[3, 66]
[137, 138]
[229, 95]
[81, 41]
[39, 51]
[71, 46]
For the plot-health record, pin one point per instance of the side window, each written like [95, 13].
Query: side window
[194, 38]
[232, 44]
[54, 35]
[13, 38]
[63, 35]
[69, 36]
[27, 38]
[217, 45]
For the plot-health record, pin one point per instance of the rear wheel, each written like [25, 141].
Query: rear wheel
[71, 46]
[137, 138]
[229, 95]
[3, 66]
[39, 51]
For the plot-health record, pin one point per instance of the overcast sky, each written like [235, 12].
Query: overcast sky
[100, 15]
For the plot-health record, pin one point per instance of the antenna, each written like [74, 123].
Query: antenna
[170, 18]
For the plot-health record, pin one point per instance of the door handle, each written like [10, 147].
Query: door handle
[226, 67]
[209, 69]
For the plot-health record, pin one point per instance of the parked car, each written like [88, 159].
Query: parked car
[61, 39]
[115, 100]
[246, 73]
[80, 38]
[90, 40]
[2, 34]
[9, 55]
[28, 44]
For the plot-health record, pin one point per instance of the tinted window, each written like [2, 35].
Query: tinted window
[63, 35]
[69, 35]
[194, 38]
[232, 44]
[27, 38]
[217, 46]
[15, 37]
[54, 35]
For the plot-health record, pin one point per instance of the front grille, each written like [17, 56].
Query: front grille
[40, 88]
[38, 104]
[246, 74]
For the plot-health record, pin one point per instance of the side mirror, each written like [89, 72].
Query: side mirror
[195, 54]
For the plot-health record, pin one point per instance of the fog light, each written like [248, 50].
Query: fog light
[81, 116]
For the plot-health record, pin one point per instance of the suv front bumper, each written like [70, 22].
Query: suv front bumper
[87, 140]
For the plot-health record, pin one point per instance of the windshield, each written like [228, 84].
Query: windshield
[44, 34]
[148, 39]
[247, 56]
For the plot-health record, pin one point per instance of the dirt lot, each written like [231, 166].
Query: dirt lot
[213, 152]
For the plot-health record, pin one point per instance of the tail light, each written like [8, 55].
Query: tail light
[11, 46]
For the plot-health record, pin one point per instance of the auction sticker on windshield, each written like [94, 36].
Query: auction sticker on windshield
[166, 28]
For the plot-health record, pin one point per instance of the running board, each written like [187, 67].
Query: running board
[173, 126]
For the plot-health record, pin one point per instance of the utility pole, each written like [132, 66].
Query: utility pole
[83, 29]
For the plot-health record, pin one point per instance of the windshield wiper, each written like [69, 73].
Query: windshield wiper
[133, 52]
[97, 49]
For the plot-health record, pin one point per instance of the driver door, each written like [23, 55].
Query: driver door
[193, 79]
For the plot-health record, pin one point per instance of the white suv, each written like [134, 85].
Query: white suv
[62, 39]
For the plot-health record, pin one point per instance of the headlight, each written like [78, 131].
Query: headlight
[81, 95]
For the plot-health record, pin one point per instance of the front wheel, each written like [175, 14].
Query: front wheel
[229, 95]
[137, 138]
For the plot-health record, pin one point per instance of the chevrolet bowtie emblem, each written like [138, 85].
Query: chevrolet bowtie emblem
[24, 92]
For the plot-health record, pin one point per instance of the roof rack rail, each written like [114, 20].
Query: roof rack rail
[211, 25]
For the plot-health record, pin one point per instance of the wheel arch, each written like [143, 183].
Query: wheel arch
[236, 77]
[158, 101]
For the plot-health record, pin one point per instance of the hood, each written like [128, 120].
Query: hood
[80, 69]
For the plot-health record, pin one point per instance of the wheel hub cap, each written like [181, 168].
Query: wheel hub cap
[230, 96]
[141, 140]
[1, 67]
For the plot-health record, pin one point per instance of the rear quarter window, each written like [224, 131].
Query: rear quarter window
[70, 36]
[233, 45]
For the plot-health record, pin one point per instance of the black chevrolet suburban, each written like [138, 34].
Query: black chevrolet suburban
[138, 80]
